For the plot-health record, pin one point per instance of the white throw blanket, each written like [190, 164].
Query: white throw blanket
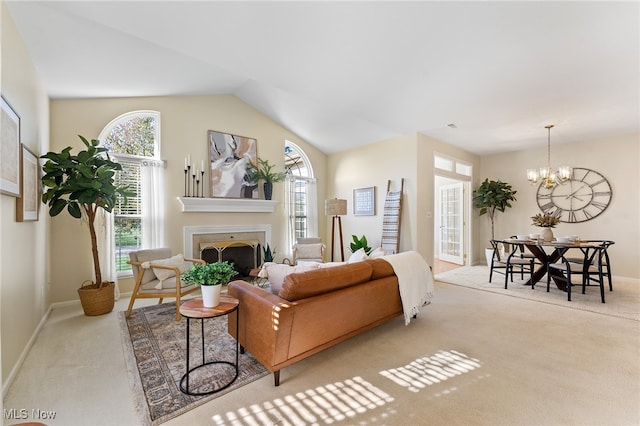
[415, 280]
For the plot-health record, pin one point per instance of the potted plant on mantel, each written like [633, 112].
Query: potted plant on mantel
[264, 172]
[491, 197]
[82, 184]
[210, 277]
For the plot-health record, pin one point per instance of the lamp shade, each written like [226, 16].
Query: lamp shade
[335, 207]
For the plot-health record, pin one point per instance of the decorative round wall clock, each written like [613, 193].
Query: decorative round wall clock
[580, 198]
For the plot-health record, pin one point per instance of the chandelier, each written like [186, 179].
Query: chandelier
[544, 174]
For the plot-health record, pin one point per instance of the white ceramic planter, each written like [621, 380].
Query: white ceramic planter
[210, 295]
[547, 234]
[488, 254]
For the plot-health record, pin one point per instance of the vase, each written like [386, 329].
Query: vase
[210, 295]
[268, 190]
[547, 235]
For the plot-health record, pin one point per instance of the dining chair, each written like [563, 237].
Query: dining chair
[521, 251]
[605, 262]
[590, 269]
[504, 263]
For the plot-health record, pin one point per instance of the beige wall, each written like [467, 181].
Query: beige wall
[618, 159]
[375, 165]
[184, 125]
[45, 261]
[23, 246]
[409, 157]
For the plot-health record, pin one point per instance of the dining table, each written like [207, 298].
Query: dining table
[547, 252]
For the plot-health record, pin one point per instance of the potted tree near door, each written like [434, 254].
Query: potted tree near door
[82, 184]
[490, 197]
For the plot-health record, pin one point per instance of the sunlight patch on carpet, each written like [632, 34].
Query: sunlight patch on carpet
[326, 404]
[430, 370]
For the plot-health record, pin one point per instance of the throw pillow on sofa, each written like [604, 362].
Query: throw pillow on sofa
[357, 256]
[379, 252]
[277, 272]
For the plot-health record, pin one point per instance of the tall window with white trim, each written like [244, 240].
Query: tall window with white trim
[133, 140]
[300, 194]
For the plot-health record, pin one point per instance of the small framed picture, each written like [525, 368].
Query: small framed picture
[364, 201]
[28, 203]
[10, 146]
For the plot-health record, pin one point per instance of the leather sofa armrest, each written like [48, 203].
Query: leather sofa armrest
[265, 323]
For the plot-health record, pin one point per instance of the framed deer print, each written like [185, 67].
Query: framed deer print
[231, 156]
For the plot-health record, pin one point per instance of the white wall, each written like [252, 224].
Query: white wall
[23, 246]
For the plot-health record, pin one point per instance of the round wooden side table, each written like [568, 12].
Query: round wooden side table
[194, 309]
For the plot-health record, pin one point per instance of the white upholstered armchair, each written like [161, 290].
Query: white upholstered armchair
[308, 250]
[157, 274]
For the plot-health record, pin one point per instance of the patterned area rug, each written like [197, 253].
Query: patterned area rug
[155, 354]
[623, 301]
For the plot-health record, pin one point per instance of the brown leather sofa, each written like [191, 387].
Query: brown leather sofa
[314, 310]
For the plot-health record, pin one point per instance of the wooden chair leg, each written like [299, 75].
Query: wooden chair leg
[178, 316]
[276, 378]
[133, 297]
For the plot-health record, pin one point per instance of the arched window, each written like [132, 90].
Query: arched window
[301, 194]
[133, 140]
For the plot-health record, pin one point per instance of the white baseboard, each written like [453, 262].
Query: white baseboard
[23, 355]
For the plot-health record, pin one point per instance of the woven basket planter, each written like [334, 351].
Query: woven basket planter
[97, 301]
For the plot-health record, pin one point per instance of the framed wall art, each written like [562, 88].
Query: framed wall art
[230, 157]
[28, 203]
[10, 149]
[364, 201]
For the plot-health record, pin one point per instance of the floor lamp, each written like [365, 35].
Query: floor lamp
[336, 208]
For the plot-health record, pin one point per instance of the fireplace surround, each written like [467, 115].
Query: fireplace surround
[240, 244]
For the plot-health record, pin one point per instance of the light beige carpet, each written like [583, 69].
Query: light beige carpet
[623, 301]
[470, 358]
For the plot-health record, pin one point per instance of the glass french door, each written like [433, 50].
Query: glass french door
[451, 223]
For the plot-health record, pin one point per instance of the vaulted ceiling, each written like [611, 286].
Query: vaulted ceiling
[484, 76]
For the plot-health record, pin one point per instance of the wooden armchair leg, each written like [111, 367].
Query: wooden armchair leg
[178, 316]
[126, 315]
[276, 378]
[136, 288]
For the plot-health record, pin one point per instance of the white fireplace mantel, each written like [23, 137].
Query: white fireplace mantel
[212, 205]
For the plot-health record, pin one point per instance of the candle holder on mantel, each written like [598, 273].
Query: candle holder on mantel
[186, 181]
[202, 179]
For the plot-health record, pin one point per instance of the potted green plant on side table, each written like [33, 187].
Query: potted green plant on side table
[491, 197]
[210, 277]
[82, 184]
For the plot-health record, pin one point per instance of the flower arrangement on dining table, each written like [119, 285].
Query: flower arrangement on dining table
[545, 220]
